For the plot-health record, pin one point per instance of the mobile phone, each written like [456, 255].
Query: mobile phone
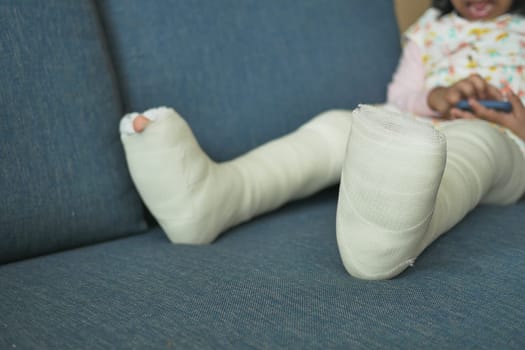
[501, 106]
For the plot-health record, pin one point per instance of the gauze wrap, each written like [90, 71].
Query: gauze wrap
[404, 183]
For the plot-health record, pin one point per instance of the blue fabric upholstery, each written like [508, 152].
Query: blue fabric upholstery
[63, 178]
[244, 72]
[274, 283]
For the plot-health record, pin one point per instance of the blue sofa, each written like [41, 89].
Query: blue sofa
[85, 267]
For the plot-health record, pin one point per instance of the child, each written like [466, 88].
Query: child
[438, 52]
[404, 182]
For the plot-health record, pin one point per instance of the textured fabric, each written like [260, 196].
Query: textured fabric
[245, 72]
[275, 283]
[64, 181]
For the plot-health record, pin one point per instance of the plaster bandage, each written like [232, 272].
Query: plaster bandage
[404, 183]
[194, 199]
[126, 123]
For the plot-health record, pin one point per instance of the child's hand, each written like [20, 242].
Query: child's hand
[444, 99]
[514, 121]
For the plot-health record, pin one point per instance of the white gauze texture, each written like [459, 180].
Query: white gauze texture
[404, 183]
[194, 199]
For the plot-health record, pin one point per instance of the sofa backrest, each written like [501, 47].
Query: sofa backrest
[63, 177]
[241, 72]
[244, 72]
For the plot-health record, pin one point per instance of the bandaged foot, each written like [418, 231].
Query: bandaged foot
[194, 199]
[388, 188]
[403, 186]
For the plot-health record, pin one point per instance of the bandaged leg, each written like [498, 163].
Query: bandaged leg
[391, 204]
[483, 166]
[194, 199]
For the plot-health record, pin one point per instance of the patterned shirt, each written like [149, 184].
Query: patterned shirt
[454, 48]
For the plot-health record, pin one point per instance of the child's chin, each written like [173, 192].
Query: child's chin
[480, 10]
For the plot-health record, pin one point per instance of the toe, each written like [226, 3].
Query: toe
[140, 123]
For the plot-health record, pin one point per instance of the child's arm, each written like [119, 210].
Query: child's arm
[407, 90]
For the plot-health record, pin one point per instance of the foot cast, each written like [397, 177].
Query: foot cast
[194, 199]
[403, 182]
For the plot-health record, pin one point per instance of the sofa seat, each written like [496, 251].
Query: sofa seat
[274, 283]
[83, 268]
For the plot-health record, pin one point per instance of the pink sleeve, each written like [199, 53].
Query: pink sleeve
[407, 91]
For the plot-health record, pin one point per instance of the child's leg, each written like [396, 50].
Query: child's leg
[483, 166]
[195, 199]
[397, 195]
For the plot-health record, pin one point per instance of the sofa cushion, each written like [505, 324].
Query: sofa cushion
[245, 72]
[64, 181]
[274, 283]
